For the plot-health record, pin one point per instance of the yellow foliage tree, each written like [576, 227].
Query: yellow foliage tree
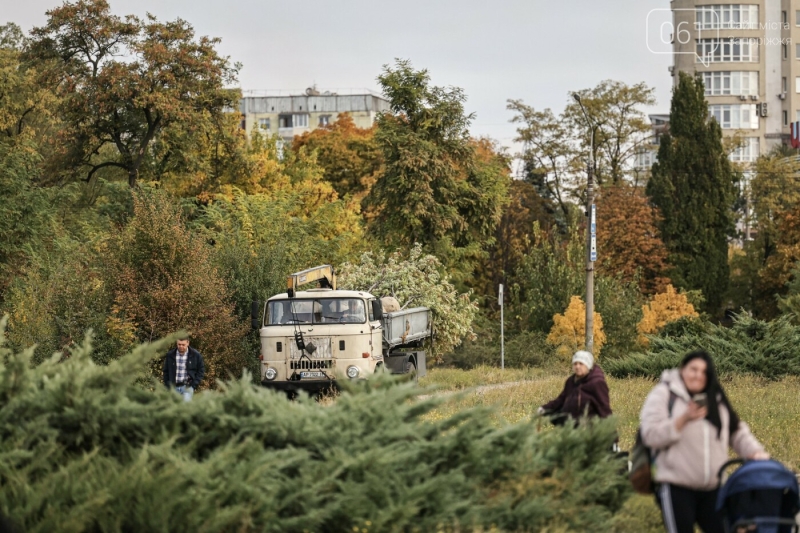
[568, 331]
[663, 308]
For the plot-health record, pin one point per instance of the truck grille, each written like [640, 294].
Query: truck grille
[323, 350]
[305, 364]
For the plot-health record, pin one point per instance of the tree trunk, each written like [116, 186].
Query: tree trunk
[133, 176]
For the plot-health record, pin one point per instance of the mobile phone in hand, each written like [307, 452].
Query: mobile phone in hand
[700, 399]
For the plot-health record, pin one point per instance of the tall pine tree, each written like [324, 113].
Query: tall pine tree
[693, 185]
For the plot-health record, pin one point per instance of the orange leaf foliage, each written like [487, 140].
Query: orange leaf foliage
[569, 330]
[663, 308]
[628, 238]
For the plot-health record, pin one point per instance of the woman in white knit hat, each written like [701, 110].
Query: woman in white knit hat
[585, 392]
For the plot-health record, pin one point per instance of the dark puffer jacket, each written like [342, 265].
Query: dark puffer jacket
[583, 396]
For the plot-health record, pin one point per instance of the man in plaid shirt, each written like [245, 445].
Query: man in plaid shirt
[183, 369]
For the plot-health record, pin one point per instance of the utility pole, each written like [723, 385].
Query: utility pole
[591, 234]
[502, 336]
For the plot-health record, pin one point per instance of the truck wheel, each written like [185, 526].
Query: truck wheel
[411, 371]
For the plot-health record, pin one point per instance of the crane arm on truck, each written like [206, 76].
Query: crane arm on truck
[323, 273]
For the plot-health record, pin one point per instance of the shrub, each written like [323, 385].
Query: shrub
[750, 346]
[569, 330]
[82, 447]
[663, 308]
[524, 349]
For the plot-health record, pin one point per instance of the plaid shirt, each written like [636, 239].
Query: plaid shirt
[180, 371]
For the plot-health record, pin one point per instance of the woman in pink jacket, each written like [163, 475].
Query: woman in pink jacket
[689, 424]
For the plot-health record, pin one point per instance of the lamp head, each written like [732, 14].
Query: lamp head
[577, 97]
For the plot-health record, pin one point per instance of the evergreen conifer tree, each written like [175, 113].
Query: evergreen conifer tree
[693, 185]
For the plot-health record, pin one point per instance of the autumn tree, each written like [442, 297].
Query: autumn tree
[619, 126]
[125, 81]
[162, 280]
[554, 146]
[349, 155]
[549, 156]
[628, 239]
[692, 184]
[433, 190]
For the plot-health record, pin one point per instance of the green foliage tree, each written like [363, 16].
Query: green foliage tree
[512, 238]
[124, 82]
[415, 280]
[434, 190]
[692, 184]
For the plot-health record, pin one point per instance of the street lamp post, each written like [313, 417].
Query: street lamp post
[591, 234]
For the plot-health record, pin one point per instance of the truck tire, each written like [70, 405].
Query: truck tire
[411, 371]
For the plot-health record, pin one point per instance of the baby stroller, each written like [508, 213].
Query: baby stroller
[760, 496]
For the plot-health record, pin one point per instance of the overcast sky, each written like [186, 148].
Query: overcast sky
[532, 50]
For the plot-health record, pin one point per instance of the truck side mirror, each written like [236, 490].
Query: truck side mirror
[255, 310]
[377, 309]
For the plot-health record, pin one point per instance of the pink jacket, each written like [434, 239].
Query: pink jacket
[693, 456]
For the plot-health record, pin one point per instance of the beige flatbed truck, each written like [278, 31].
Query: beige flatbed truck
[311, 339]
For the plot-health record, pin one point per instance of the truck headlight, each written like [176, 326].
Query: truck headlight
[271, 374]
[353, 371]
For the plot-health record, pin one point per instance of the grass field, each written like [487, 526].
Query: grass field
[771, 408]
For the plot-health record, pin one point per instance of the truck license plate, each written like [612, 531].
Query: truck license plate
[305, 375]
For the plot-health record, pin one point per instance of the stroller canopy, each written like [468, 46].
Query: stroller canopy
[758, 475]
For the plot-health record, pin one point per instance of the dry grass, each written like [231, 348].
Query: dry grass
[771, 408]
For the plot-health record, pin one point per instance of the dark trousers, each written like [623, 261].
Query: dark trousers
[681, 508]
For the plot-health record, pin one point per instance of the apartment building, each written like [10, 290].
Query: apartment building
[747, 56]
[290, 115]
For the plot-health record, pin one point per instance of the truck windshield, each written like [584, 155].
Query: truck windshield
[317, 311]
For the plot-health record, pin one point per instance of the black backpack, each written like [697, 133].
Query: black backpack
[642, 459]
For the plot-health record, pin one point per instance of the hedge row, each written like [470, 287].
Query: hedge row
[85, 447]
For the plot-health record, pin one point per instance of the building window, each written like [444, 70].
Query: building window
[324, 120]
[783, 84]
[263, 123]
[797, 116]
[728, 82]
[285, 121]
[785, 51]
[737, 117]
[785, 118]
[784, 19]
[644, 160]
[300, 121]
[797, 18]
[747, 153]
[727, 17]
[796, 85]
[727, 49]
[797, 51]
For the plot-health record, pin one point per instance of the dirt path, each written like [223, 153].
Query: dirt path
[479, 390]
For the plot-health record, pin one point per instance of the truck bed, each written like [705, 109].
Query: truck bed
[406, 327]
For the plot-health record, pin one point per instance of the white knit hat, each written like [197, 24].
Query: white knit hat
[582, 356]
